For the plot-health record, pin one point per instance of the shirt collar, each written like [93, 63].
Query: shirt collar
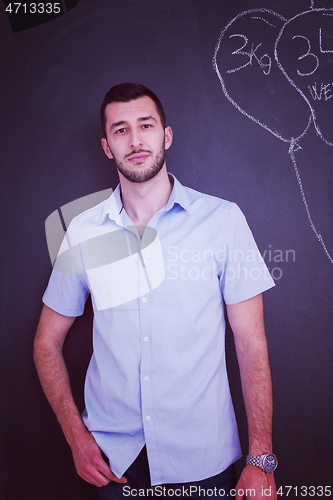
[178, 195]
[114, 205]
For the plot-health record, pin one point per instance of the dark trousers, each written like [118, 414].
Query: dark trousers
[138, 478]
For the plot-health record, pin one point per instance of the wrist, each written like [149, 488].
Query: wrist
[260, 446]
[267, 462]
[74, 430]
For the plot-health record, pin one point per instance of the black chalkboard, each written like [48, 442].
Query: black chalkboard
[247, 88]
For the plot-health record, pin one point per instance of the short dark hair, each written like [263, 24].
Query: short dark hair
[125, 92]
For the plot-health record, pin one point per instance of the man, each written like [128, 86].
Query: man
[159, 260]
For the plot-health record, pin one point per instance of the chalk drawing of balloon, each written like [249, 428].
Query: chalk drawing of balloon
[304, 53]
[251, 79]
[278, 73]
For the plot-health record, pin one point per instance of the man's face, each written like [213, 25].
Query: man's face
[136, 139]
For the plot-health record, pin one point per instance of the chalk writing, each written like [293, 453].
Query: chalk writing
[321, 43]
[317, 25]
[266, 67]
[307, 54]
[299, 47]
[325, 91]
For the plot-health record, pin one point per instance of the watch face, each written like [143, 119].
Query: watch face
[270, 462]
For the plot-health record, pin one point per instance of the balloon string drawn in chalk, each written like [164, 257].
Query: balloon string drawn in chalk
[292, 156]
[271, 32]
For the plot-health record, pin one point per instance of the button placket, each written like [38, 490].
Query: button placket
[145, 371]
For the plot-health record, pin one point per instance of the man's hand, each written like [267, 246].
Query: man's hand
[90, 464]
[53, 374]
[261, 483]
[247, 322]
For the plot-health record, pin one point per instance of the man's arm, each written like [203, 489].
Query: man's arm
[247, 322]
[53, 374]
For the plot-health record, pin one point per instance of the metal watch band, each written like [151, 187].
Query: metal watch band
[254, 460]
[266, 462]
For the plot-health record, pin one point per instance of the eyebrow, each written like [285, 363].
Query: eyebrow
[145, 118]
[141, 119]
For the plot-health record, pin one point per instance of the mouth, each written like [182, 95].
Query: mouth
[138, 157]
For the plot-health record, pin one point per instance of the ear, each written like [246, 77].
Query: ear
[168, 137]
[106, 148]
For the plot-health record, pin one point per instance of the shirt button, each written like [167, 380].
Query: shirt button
[144, 299]
[147, 418]
[146, 339]
[146, 378]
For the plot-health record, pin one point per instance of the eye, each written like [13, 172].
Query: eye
[120, 131]
[147, 125]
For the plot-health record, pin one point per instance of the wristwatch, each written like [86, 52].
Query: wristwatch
[267, 462]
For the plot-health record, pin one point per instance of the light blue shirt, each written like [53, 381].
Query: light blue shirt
[157, 375]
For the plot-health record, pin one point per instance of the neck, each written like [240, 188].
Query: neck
[142, 200]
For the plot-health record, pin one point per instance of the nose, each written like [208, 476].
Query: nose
[135, 139]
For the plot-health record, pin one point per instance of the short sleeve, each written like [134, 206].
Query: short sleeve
[244, 273]
[66, 293]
